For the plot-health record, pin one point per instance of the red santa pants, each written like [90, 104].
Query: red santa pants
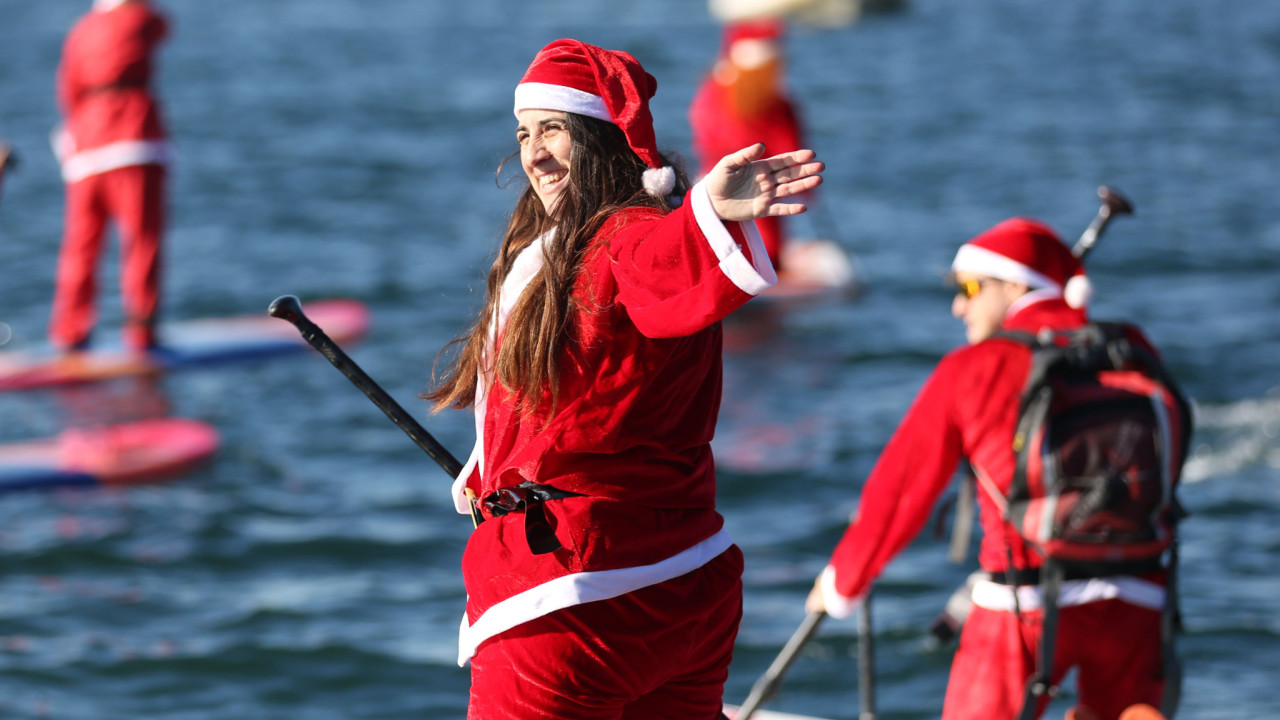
[1114, 646]
[132, 197]
[658, 652]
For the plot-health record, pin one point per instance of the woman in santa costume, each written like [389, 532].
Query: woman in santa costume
[1016, 276]
[600, 580]
[743, 101]
[113, 150]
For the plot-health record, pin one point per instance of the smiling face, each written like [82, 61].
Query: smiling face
[545, 147]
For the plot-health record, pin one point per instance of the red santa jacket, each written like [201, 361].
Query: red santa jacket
[631, 433]
[967, 408]
[111, 117]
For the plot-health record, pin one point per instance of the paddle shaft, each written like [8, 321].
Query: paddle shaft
[767, 686]
[288, 308]
[1113, 203]
[866, 663]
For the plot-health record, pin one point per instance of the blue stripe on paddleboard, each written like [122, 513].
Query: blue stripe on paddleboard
[179, 357]
[42, 478]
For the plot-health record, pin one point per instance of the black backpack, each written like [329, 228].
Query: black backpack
[1103, 431]
[1102, 434]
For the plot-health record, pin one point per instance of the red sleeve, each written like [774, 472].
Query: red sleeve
[684, 271]
[911, 474]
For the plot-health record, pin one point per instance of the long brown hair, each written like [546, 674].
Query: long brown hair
[605, 175]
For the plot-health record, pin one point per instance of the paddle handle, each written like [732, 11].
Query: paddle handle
[767, 686]
[287, 307]
[1113, 203]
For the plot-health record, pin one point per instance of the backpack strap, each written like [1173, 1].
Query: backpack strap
[1040, 685]
[962, 528]
[1170, 626]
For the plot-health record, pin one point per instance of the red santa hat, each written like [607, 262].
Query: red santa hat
[752, 43]
[758, 29]
[1026, 251]
[572, 76]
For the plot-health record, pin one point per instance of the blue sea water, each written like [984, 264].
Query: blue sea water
[339, 148]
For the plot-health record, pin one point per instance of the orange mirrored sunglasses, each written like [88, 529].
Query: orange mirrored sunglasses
[968, 288]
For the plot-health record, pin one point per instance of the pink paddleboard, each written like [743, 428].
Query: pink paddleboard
[136, 452]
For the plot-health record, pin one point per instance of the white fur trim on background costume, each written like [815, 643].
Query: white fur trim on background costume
[1078, 292]
[974, 259]
[837, 605]
[127, 153]
[1135, 591]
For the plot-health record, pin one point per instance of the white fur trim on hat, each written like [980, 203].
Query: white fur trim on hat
[1078, 292]
[659, 182]
[104, 5]
[981, 261]
[543, 96]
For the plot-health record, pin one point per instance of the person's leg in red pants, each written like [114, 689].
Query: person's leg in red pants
[137, 200]
[659, 652]
[76, 287]
[134, 198]
[1114, 645]
[1117, 648]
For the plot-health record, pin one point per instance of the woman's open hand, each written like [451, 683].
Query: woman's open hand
[745, 186]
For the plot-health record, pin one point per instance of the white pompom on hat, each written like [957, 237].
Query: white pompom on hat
[1026, 251]
[610, 85]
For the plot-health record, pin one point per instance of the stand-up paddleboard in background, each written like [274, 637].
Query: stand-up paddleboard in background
[184, 343]
[814, 270]
[137, 452]
[814, 13]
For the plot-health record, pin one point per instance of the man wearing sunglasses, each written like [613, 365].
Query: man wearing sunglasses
[1016, 276]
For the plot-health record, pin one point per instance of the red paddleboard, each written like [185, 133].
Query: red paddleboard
[137, 452]
[184, 343]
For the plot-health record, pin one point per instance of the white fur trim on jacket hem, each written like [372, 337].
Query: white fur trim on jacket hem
[580, 588]
[82, 164]
[1135, 591]
[752, 276]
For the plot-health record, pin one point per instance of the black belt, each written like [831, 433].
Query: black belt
[1025, 576]
[528, 498]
